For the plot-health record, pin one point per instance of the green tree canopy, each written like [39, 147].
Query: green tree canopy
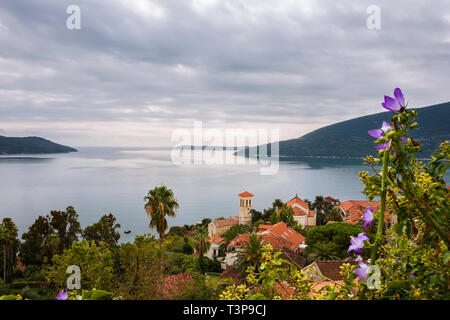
[160, 202]
[338, 233]
[104, 230]
[9, 244]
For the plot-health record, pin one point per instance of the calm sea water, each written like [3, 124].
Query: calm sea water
[97, 181]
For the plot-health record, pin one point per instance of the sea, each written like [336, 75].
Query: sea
[103, 180]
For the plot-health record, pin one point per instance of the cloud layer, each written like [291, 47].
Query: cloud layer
[138, 69]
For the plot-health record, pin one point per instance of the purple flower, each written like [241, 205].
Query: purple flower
[62, 295]
[394, 105]
[357, 243]
[362, 270]
[379, 133]
[368, 216]
[383, 146]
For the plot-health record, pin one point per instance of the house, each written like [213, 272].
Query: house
[333, 201]
[324, 270]
[302, 214]
[353, 210]
[220, 226]
[213, 251]
[280, 236]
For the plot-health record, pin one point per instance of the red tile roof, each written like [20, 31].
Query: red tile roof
[300, 212]
[298, 201]
[354, 210]
[215, 239]
[245, 194]
[279, 236]
[226, 222]
[330, 269]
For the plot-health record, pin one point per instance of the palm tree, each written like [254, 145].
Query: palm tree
[322, 251]
[201, 243]
[160, 203]
[250, 255]
[277, 204]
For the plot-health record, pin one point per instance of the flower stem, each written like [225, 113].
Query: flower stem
[379, 234]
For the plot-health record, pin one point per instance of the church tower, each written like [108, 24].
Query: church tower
[245, 206]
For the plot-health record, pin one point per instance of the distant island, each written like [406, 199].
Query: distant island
[350, 139]
[31, 145]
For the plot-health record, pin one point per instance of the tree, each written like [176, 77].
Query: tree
[66, 225]
[250, 255]
[338, 233]
[95, 262]
[267, 213]
[160, 203]
[201, 243]
[141, 268]
[105, 230]
[277, 204]
[10, 244]
[322, 251]
[325, 211]
[40, 243]
[287, 216]
[233, 232]
[274, 218]
[256, 215]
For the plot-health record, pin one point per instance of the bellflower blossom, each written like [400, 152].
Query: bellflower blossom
[357, 243]
[362, 270]
[394, 104]
[379, 133]
[62, 295]
[368, 216]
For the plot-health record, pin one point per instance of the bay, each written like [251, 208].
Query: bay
[98, 181]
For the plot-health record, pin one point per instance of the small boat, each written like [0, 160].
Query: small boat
[127, 231]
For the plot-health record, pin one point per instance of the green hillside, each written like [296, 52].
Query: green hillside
[31, 145]
[350, 139]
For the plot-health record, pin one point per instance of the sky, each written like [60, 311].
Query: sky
[137, 70]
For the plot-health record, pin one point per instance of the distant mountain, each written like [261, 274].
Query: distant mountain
[350, 139]
[31, 145]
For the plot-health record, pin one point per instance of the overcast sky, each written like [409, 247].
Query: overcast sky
[137, 69]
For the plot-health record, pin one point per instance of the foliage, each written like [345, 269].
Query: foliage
[49, 235]
[96, 295]
[95, 262]
[160, 202]
[201, 288]
[337, 233]
[9, 244]
[287, 215]
[140, 263]
[250, 255]
[233, 232]
[322, 251]
[201, 243]
[105, 230]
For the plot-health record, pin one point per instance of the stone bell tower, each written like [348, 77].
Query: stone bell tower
[245, 206]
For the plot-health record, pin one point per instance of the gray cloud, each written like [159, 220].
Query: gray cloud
[137, 69]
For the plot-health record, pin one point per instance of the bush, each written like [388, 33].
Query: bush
[96, 295]
[28, 293]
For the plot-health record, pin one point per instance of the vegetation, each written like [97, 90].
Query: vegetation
[31, 145]
[411, 258]
[349, 138]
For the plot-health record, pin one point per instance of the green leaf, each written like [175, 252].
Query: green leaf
[257, 296]
[447, 257]
[442, 170]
